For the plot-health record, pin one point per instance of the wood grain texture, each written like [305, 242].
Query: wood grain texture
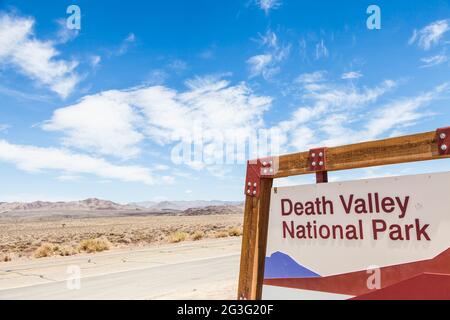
[416, 147]
[254, 243]
[248, 238]
[322, 177]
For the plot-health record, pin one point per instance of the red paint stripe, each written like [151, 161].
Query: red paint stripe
[355, 283]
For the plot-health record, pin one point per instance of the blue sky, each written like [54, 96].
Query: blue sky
[100, 111]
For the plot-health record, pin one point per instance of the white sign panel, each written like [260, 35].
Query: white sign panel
[376, 238]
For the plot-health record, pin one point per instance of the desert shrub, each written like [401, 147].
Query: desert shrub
[45, 250]
[235, 231]
[177, 236]
[198, 235]
[67, 251]
[94, 245]
[221, 234]
[5, 257]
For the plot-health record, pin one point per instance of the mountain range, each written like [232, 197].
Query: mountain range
[183, 205]
[98, 205]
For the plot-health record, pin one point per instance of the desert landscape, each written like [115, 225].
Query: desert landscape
[44, 229]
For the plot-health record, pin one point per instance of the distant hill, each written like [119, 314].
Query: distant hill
[94, 207]
[91, 204]
[209, 210]
[280, 265]
[183, 205]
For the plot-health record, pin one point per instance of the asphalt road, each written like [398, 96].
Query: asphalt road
[199, 270]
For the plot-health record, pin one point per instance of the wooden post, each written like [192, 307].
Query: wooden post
[322, 177]
[254, 242]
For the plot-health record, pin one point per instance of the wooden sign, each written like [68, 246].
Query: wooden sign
[319, 161]
[360, 239]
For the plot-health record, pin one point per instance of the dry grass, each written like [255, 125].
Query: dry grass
[235, 231]
[198, 235]
[46, 250]
[221, 234]
[95, 245]
[177, 236]
[68, 251]
[87, 245]
[27, 237]
[5, 257]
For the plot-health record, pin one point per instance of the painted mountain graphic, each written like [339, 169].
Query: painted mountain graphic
[280, 265]
[427, 279]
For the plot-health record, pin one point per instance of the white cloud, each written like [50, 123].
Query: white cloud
[156, 77]
[65, 34]
[102, 123]
[178, 65]
[430, 35]
[23, 95]
[207, 54]
[126, 44]
[333, 97]
[259, 65]
[268, 5]
[36, 159]
[4, 127]
[168, 179]
[161, 167]
[266, 65]
[115, 122]
[321, 50]
[269, 39]
[401, 113]
[351, 75]
[95, 60]
[130, 38]
[20, 49]
[332, 126]
[325, 109]
[434, 60]
[312, 77]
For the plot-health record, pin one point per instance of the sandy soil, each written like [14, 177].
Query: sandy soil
[20, 238]
[205, 269]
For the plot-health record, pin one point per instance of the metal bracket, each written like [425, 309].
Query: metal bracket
[443, 140]
[257, 169]
[317, 159]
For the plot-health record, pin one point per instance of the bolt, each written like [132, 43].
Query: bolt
[321, 154]
[313, 155]
[314, 164]
[321, 163]
[443, 136]
[264, 163]
[443, 147]
[255, 184]
[248, 191]
[254, 192]
[271, 170]
[249, 184]
[265, 170]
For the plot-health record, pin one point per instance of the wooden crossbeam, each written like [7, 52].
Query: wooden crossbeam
[411, 148]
